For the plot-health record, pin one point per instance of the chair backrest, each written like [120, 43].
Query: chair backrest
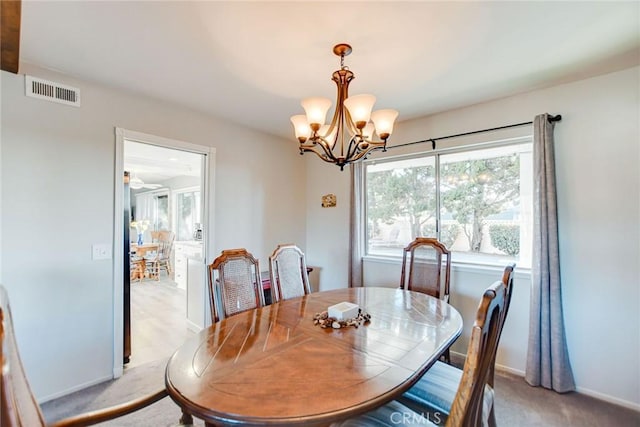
[426, 268]
[288, 271]
[165, 242]
[162, 235]
[507, 280]
[466, 409]
[238, 287]
[18, 406]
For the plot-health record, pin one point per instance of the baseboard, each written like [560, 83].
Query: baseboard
[73, 389]
[605, 397]
[510, 370]
[193, 327]
[118, 371]
[582, 390]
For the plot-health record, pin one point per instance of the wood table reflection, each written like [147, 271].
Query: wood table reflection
[273, 366]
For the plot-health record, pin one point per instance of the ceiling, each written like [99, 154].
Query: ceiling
[252, 62]
[153, 164]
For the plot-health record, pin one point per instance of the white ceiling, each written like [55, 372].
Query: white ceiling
[252, 62]
[153, 164]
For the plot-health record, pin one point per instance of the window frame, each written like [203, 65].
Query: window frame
[174, 207]
[464, 264]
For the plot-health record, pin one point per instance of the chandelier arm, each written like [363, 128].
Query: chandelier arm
[373, 147]
[336, 115]
[352, 150]
[323, 155]
[326, 147]
[323, 144]
[353, 130]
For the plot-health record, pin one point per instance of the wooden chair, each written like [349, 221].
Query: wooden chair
[423, 262]
[472, 402]
[437, 388]
[238, 287]
[426, 268]
[18, 406]
[288, 272]
[162, 258]
[136, 271]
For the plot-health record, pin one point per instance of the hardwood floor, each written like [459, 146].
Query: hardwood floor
[158, 320]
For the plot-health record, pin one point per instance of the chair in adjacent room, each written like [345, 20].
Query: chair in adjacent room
[136, 270]
[18, 406]
[469, 399]
[161, 258]
[426, 268]
[288, 273]
[238, 287]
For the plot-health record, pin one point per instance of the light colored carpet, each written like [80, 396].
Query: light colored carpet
[517, 404]
[136, 382]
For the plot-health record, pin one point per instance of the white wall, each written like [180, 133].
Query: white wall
[597, 158]
[58, 199]
[328, 228]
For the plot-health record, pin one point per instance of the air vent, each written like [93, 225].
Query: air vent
[51, 91]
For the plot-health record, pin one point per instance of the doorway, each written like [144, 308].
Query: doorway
[158, 306]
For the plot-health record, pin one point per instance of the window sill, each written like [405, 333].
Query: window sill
[466, 267]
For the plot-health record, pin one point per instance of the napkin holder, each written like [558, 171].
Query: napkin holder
[344, 310]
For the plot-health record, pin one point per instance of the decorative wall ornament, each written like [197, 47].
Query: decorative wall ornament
[329, 201]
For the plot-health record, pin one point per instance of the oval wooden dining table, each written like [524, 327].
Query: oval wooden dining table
[273, 366]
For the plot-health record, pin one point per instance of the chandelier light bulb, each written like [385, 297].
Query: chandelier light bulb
[360, 107]
[368, 130]
[316, 109]
[384, 121]
[301, 127]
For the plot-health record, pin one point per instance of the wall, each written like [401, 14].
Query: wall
[57, 177]
[597, 158]
[328, 230]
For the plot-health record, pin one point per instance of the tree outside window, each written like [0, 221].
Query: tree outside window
[482, 217]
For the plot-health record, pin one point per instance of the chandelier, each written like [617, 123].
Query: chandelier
[350, 136]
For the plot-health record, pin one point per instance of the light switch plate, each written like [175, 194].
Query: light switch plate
[100, 251]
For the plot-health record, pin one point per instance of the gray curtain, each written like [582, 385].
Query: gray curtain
[547, 356]
[355, 226]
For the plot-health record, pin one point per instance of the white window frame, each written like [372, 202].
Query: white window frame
[466, 265]
[174, 206]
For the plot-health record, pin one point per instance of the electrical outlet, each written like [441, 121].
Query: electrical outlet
[100, 251]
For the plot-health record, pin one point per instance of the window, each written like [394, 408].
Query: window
[188, 210]
[153, 208]
[162, 212]
[477, 201]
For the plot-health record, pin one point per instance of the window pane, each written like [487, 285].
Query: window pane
[188, 214]
[162, 219]
[401, 203]
[486, 204]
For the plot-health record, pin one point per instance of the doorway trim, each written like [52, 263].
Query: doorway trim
[208, 200]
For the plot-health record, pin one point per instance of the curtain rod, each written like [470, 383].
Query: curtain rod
[433, 140]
